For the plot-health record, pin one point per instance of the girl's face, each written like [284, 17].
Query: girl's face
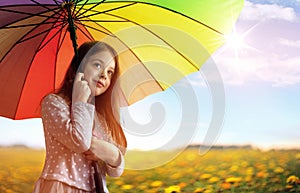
[98, 71]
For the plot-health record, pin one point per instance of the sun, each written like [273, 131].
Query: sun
[235, 41]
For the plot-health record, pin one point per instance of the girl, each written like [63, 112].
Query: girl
[78, 133]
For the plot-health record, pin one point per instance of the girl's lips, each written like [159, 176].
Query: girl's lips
[100, 84]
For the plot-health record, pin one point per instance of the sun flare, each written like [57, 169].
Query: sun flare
[235, 41]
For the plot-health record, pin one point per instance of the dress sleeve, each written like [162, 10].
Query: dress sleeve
[73, 129]
[116, 171]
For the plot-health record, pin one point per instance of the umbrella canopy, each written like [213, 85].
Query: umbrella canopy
[38, 39]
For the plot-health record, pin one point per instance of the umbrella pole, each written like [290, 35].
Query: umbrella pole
[72, 29]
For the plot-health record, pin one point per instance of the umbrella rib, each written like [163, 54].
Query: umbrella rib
[99, 12]
[28, 72]
[158, 38]
[59, 46]
[29, 14]
[27, 25]
[35, 53]
[215, 30]
[51, 38]
[20, 40]
[97, 4]
[54, 26]
[86, 35]
[133, 54]
[79, 8]
[103, 20]
[45, 21]
[44, 6]
[137, 59]
[88, 26]
[56, 2]
[75, 6]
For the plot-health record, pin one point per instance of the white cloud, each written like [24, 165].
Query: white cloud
[260, 12]
[290, 43]
[277, 70]
[281, 72]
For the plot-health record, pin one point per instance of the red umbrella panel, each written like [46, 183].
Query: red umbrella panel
[25, 79]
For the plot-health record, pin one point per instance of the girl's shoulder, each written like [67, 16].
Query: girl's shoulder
[56, 98]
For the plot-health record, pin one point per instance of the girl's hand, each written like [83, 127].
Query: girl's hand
[90, 155]
[103, 150]
[81, 89]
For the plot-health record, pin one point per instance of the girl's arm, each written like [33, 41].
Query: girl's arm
[73, 129]
[108, 153]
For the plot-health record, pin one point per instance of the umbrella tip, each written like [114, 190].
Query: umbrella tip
[67, 4]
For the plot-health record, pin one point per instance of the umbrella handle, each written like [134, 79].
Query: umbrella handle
[97, 179]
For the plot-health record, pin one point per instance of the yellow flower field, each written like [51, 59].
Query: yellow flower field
[227, 170]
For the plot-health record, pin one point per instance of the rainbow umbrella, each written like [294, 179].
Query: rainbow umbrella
[39, 37]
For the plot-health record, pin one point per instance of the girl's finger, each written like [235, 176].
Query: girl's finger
[79, 77]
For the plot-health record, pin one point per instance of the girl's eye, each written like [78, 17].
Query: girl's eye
[97, 65]
[110, 72]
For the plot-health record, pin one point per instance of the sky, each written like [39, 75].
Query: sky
[259, 69]
[262, 75]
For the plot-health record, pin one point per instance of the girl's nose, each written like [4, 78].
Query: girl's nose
[103, 74]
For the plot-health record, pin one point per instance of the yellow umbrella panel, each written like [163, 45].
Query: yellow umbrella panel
[161, 44]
